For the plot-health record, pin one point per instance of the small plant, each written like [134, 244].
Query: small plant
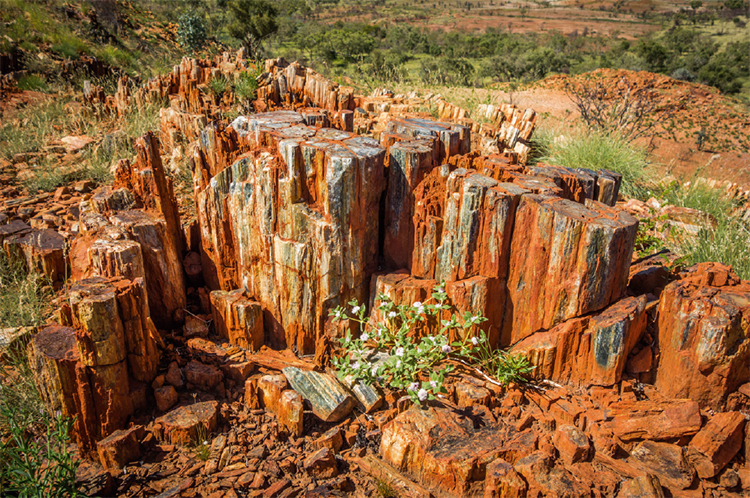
[409, 346]
[218, 86]
[646, 240]
[385, 488]
[191, 32]
[37, 466]
[202, 447]
[246, 86]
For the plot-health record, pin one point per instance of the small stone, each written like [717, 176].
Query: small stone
[120, 447]
[194, 327]
[174, 375]
[729, 479]
[666, 461]
[321, 464]
[331, 440]
[572, 444]
[166, 398]
[641, 487]
[204, 377]
[503, 481]
[717, 443]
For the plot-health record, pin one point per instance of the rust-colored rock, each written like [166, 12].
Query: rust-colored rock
[589, 350]
[204, 377]
[572, 260]
[502, 481]
[166, 397]
[184, 424]
[321, 464]
[43, 251]
[164, 278]
[447, 450]
[572, 444]
[716, 444]
[120, 447]
[666, 461]
[704, 336]
[659, 420]
[238, 318]
[293, 224]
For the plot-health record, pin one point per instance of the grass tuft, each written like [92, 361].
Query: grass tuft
[597, 151]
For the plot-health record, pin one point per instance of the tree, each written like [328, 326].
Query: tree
[191, 31]
[254, 20]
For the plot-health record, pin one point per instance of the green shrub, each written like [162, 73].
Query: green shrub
[597, 151]
[246, 86]
[33, 82]
[727, 242]
[191, 32]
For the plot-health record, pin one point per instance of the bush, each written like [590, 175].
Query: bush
[409, 347]
[727, 242]
[683, 74]
[191, 32]
[597, 151]
[33, 82]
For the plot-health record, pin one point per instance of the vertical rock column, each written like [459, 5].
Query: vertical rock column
[566, 260]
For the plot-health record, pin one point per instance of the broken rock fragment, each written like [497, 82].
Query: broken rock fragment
[185, 424]
[716, 444]
[330, 401]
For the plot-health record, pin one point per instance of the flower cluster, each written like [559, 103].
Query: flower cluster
[390, 353]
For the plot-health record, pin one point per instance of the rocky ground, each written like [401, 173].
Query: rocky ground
[192, 343]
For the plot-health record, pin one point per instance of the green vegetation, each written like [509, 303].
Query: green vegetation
[595, 150]
[191, 32]
[726, 241]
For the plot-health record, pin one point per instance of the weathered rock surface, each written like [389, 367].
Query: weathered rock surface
[183, 425]
[716, 444]
[330, 400]
[238, 318]
[704, 335]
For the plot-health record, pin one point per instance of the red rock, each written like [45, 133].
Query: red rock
[630, 420]
[641, 362]
[468, 394]
[666, 461]
[321, 464]
[729, 479]
[183, 425]
[174, 375]
[276, 488]
[557, 247]
[588, 350]
[448, 450]
[641, 487]
[269, 390]
[717, 443]
[164, 277]
[204, 377]
[407, 163]
[120, 447]
[704, 345]
[502, 481]
[238, 318]
[290, 412]
[546, 480]
[744, 474]
[315, 192]
[166, 398]
[572, 444]
[194, 327]
[42, 250]
[331, 439]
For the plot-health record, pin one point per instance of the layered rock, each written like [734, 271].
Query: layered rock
[704, 335]
[292, 223]
[588, 350]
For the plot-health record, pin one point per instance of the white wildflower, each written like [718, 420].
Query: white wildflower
[356, 365]
[422, 395]
[365, 337]
[413, 386]
[392, 314]
[434, 384]
[398, 364]
[474, 341]
[399, 351]
[446, 349]
[355, 310]
[417, 304]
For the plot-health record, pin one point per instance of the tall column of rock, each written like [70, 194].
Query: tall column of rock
[704, 335]
[294, 222]
[566, 260]
[408, 163]
[452, 138]
[238, 318]
[53, 358]
[163, 272]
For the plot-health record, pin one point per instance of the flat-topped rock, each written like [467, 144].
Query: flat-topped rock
[184, 424]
